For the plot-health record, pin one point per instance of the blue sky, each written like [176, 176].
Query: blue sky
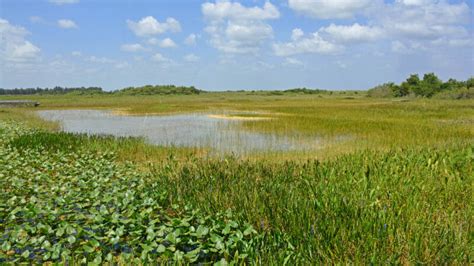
[220, 45]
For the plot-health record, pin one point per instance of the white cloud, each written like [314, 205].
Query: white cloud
[67, 24]
[353, 33]
[63, 2]
[234, 28]
[326, 9]
[296, 34]
[191, 39]
[399, 47]
[153, 41]
[148, 26]
[456, 43]
[409, 24]
[14, 46]
[191, 58]
[133, 47]
[160, 58]
[223, 10]
[167, 43]
[101, 60]
[293, 61]
[312, 44]
[25, 50]
[76, 53]
[426, 19]
[414, 2]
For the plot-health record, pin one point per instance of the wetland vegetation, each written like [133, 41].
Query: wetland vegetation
[397, 190]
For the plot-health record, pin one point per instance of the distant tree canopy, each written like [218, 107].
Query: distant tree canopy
[305, 91]
[49, 91]
[159, 89]
[429, 86]
[144, 90]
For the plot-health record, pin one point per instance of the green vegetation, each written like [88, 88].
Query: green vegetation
[398, 190]
[368, 123]
[157, 90]
[428, 87]
[144, 90]
[53, 91]
[69, 204]
[305, 91]
[63, 204]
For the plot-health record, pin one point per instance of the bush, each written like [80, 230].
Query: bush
[385, 90]
[461, 93]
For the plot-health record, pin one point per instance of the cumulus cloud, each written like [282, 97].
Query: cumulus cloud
[293, 62]
[223, 10]
[14, 46]
[67, 24]
[414, 2]
[191, 58]
[426, 19]
[327, 9]
[296, 34]
[101, 60]
[63, 2]
[311, 44]
[409, 25]
[148, 26]
[352, 33]
[160, 58]
[133, 47]
[191, 39]
[167, 43]
[234, 28]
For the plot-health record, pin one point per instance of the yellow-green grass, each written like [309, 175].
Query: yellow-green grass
[359, 122]
[398, 190]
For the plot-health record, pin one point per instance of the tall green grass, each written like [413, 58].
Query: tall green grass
[402, 206]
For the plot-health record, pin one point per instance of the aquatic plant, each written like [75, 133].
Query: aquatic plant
[75, 205]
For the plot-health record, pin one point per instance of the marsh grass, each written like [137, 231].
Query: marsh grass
[366, 123]
[402, 206]
[398, 192]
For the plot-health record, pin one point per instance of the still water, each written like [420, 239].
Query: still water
[188, 130]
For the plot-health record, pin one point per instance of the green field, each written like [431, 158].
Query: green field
[397, 190]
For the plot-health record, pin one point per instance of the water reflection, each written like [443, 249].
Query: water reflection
[190, 130]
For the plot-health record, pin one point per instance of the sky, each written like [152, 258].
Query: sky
[233, 45]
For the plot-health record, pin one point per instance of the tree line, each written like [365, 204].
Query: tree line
[428, 87]
[159, 90]
[49, 91]
[143, 90]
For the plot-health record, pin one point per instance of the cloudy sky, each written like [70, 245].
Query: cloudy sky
[220, 44]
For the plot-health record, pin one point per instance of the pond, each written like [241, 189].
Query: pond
[223, 136]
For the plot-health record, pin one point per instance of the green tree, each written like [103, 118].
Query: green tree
[399, 91]
[452, 84]
[412, 84]
[430, 85]
[470, 82]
